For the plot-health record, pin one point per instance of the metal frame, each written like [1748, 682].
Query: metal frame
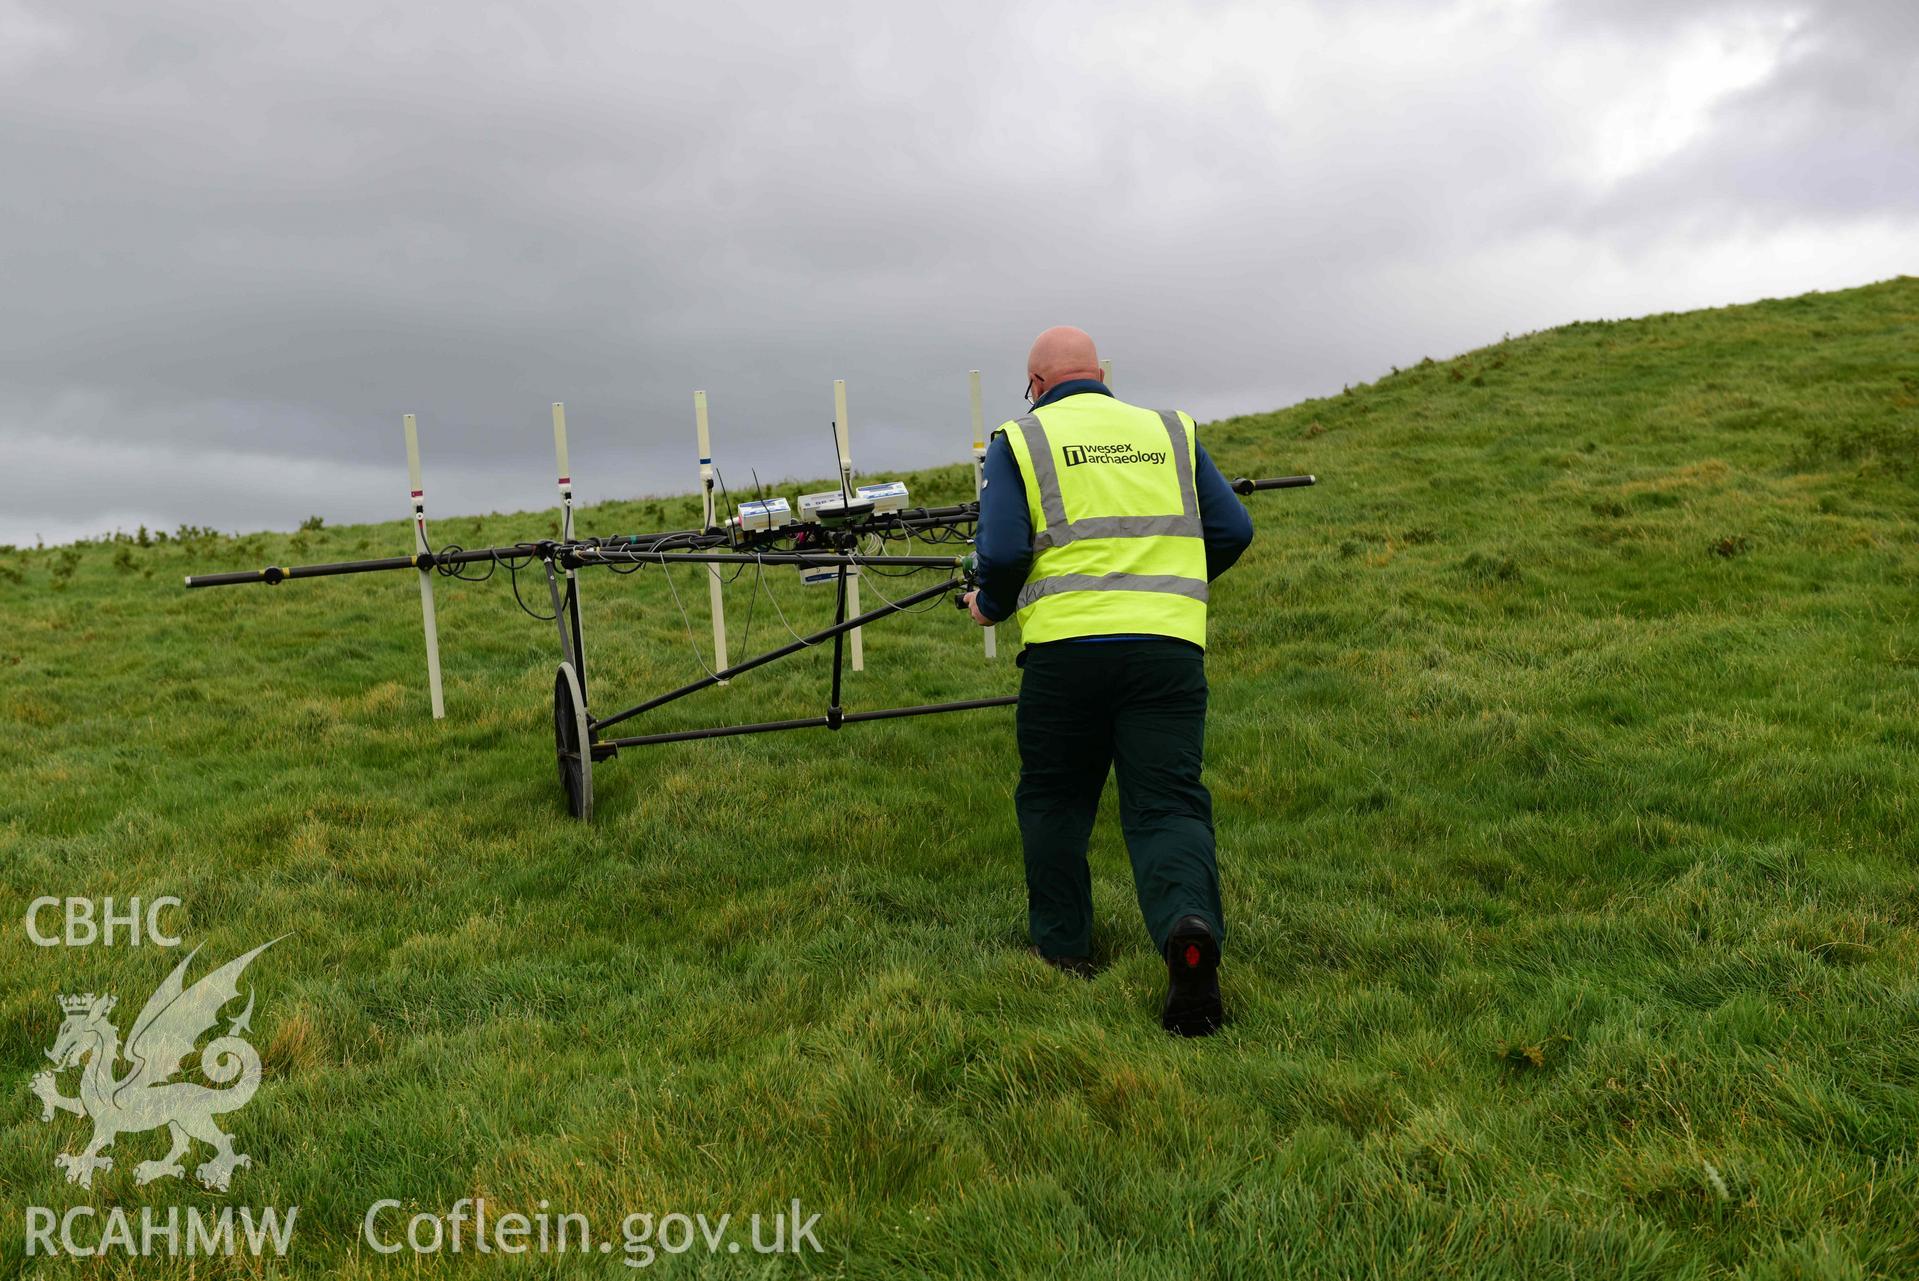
[570, 699]
[580, 738]
[836, 715]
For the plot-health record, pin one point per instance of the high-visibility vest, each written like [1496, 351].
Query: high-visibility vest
[1115, 511]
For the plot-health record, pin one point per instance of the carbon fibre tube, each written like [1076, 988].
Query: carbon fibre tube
[1245, 486]
[278, 573]
[827, 560]
[810, 722]
[805, 642]
[598, 552]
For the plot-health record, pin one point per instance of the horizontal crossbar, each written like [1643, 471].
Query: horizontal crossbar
[809, 722]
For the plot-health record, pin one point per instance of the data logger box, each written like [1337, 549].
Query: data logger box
[828, 505]
[765, 513]
[886, 495]
[815, 574]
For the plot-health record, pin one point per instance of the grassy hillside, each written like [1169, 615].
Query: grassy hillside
[1564, 744]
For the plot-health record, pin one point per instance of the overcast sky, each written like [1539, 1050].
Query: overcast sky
[238, 241]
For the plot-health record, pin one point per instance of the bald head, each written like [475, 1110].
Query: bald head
[1060, 354]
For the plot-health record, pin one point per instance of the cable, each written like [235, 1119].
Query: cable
[687, 623]
[776, 606]
[726, 499]
[513, 576]
[845, 473]
[752, 604]
[454, 570]
[911, 609]
[493, 562]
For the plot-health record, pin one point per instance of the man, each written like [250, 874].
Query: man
[1100, 525]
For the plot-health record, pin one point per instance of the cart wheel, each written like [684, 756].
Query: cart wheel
[573, 742]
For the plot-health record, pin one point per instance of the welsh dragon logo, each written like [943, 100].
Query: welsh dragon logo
[144, 1097]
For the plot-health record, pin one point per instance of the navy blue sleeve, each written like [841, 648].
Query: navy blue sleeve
[1224, 522]
[1003, 544]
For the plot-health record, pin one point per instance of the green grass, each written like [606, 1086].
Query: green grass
[1564, 747]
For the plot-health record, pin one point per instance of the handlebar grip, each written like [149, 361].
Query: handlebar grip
[1245, 486]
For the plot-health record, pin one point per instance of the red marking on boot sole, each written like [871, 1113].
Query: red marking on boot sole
[1192, 956]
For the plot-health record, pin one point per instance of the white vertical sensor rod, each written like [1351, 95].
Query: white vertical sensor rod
[715, 596]
[846, 487]
[1106, 371]
[979, 477]
[421, 547]
[565, 474]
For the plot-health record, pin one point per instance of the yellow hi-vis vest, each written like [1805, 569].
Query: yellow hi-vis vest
[1115, 512]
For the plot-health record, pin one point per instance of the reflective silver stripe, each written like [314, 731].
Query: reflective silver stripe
[1060, 531]
[1169, 584]
[1182, 463]
[1120, 527]
[1045, 478]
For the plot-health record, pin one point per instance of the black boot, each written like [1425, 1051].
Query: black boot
[1192, 1005]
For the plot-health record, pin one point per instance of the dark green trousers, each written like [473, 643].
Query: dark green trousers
[1137, 708]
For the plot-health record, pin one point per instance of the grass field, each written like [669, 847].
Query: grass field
[1564, 744]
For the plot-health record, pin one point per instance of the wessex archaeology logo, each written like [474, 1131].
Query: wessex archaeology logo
[1081, 455]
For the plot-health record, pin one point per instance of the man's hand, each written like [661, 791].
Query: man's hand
[972, 607]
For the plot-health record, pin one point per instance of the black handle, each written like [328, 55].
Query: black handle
[1245, 486]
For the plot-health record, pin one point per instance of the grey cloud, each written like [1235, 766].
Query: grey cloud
[1832, 133]
[241, 234]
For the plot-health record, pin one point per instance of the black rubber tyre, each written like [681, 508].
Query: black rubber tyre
[572, 743]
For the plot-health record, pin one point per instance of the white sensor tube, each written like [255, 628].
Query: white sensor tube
[422, 547]
[716, 598]
[840, 434]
